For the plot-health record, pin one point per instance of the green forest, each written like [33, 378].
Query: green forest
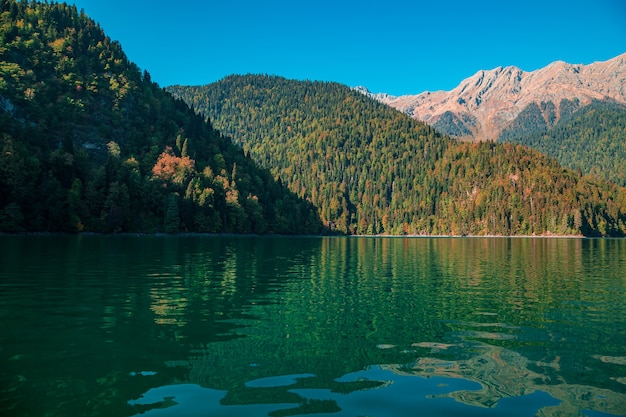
[591, 138]
[370, 169]
[88, 143]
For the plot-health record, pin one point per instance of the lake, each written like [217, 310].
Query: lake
[316, 326]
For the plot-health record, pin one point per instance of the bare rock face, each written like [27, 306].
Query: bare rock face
[486, 103]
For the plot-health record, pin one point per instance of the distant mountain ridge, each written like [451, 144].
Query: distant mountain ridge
[488, 102]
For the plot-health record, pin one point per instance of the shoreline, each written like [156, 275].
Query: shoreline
[253, 235]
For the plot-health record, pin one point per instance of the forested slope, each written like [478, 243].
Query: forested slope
[372, 170]
[592, 139]
[89, 143]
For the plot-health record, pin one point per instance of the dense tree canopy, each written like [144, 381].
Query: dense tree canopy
[89, 143]
[372, 170]
[592, 139]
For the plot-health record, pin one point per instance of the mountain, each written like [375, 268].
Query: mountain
[488, 102]
[591, 138]
[370, 169]
[89, 143]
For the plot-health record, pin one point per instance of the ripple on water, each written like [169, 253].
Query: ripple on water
[385, 346]
[277, 381]
[616, 360]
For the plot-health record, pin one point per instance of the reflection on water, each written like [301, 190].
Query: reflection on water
[392, 395]
[292, 326]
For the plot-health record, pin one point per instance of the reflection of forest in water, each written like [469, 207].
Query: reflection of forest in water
[504, 373]
[515, 315]
[502, 317]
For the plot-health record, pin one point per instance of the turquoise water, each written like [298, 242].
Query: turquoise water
[279, 326]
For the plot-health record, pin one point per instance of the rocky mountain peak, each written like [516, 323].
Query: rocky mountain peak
[481, 106]
[384, 97]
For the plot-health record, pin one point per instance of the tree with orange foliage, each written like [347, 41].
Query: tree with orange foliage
[172, 168]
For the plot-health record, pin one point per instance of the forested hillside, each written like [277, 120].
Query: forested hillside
[89, 143]
[372, 170]
[592, 139]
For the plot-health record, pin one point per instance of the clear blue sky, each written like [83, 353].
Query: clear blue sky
[393, 46]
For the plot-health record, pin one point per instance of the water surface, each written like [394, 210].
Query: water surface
[278, 326]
